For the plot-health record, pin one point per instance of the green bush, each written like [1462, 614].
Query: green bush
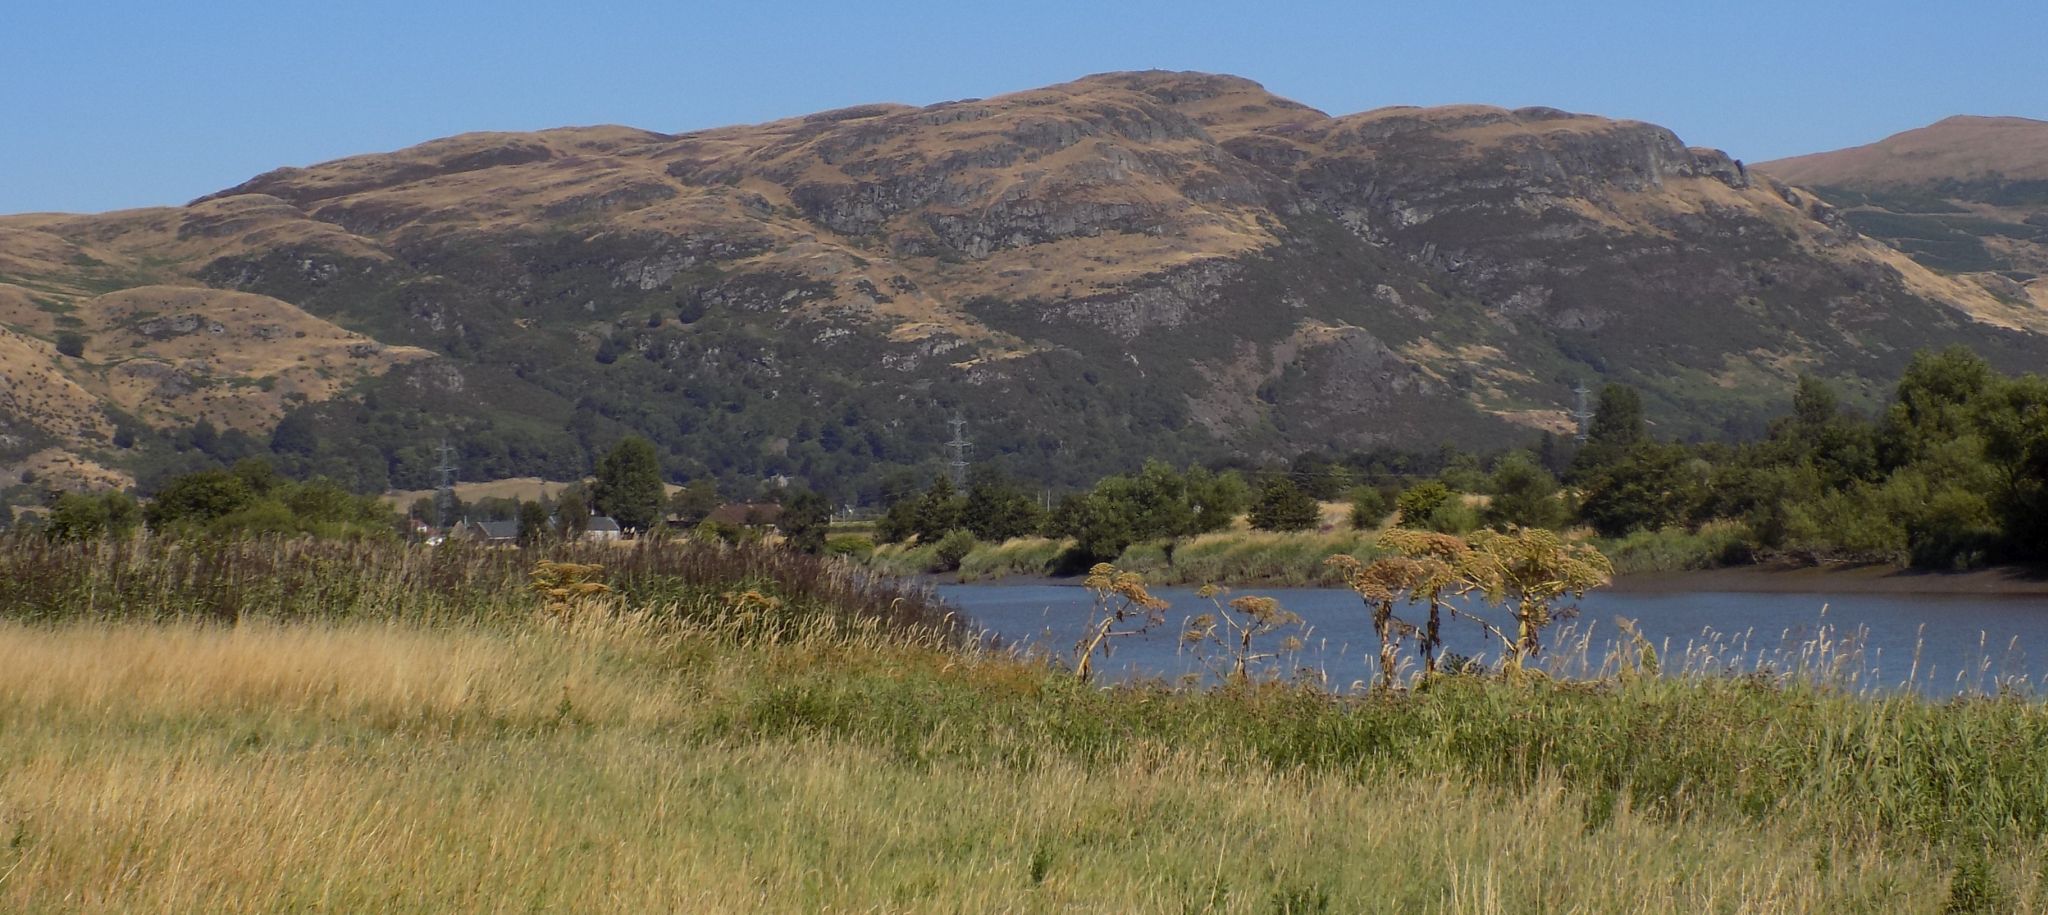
[951, 550]
[855, 546]
[1369, 508]
[1418, 502]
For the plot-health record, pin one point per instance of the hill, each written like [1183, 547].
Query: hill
[1180, 265]
[1967, 195]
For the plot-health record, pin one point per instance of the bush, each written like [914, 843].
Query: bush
[1283, 506]
[855, 546]
[71, 344]
[1420, 501]
[1368, 508]
[950, 550]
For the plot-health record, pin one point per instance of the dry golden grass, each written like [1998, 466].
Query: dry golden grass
[385, 769]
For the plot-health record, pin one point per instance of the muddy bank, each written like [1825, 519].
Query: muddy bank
[1858, 579]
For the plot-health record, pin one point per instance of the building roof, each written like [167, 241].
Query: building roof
[747, 513]
[496, 530]
[603, 524]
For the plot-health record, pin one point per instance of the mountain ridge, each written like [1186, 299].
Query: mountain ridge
[1126, 264]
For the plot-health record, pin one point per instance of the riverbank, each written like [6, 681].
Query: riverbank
[2004, 581]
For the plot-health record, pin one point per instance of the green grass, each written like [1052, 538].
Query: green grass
[372, 727]
[610, 765]
[1024, 556]
[1676, 549]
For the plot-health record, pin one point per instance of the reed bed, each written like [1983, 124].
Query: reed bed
[283, 579]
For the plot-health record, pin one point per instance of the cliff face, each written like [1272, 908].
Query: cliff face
[1163, 263]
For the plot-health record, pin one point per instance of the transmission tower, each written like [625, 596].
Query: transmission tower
[958, 465]
[1580, 414]
[444, 497]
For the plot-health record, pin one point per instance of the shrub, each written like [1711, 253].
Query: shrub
[1368, 508]
[1283, 506]
[1418, 502]
[71, 344]
[950, 550]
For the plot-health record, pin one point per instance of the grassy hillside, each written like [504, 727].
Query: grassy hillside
[636, 758]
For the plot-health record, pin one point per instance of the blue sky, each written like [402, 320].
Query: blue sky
[110, 105]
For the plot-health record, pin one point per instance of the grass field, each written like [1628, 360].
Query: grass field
[638, 759]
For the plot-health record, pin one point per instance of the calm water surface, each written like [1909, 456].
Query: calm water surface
[1938, 644]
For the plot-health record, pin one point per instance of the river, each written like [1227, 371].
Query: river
[1940, 645]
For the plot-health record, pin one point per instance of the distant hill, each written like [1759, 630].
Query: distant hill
[1967, 195]
[1171, 264]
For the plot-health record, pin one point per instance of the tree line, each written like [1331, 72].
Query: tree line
[1951, 473]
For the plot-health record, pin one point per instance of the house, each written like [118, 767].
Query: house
[763, 515]
[602, 529]
[496, 533]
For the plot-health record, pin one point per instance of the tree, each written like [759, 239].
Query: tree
[1931, 404]
[1368, 508]
[79, 516]
[1523, 495]
[1159, 502]
[1283, 506]
[297, 434]
[806, 516]
[1647, 488]
[694, 502]
[198, 498]
[1617, 426]
[1099, 526]
[996, 509]
[533, 523]
[1217, 499]
[258, 475]
[936, 511]
[572, 512]
[1417, 503]
[629, 484]
[71, 343]
[2013, 417]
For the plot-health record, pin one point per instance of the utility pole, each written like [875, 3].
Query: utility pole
[958, 465]
[1581, 415]
[444, 498]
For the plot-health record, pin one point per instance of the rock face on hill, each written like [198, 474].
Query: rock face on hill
[1131, 264]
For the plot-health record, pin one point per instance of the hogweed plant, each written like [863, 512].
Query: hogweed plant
[1527, 571]
[568, 589]
[1234, 627]
[1122, 607]
[1423, 566]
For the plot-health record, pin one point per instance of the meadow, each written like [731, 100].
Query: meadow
[735, 729]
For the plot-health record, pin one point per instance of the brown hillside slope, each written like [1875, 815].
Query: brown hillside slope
[1960, 148]
[1178, 263]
